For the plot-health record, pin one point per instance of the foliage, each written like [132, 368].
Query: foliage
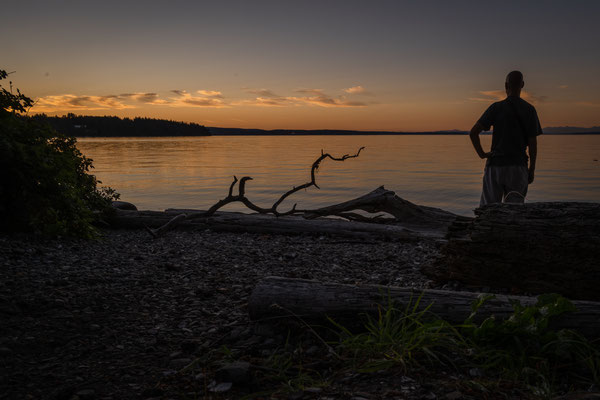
[525, 347]
[13, 102]
[45, 185]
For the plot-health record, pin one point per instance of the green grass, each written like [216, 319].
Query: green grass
[398, 337]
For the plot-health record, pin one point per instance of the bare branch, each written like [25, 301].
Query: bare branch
[243, 185]
[313, 181]
[241, 197]
[235, 179]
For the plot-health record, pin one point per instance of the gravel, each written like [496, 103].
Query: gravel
[118, 317]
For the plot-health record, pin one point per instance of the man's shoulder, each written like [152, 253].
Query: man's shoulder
[495, 105]
[525, 104]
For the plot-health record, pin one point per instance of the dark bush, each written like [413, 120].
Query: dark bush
[45, 185]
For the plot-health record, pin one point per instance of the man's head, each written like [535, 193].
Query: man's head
[514, 83]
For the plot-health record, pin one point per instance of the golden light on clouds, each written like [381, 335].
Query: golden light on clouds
[312, 97]
[177, 98]
[348, 107]
[67, 102]
[357, 90]
[497, 95]
[207, 98]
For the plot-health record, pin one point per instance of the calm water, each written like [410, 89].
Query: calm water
[438, 171]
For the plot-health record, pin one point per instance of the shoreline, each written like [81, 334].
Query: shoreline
[334, 134]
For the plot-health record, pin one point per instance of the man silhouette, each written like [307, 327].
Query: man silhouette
[516, 127]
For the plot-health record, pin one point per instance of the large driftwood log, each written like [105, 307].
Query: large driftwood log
[531, 248]
[411, 221]
[313, 302]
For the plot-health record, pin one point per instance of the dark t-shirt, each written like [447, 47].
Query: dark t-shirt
[510, 137]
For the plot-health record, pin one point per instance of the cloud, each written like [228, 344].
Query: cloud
[71, 102]
[326, 101]
[321, 99]
[211, 93]
[209, 98]
[67, 102]
[199, 98]
[563, 86]
[497, 95]
[358, 90]
[201, 102]
[146, 98]
[272, 102]
[310, 91]
[263, 93]
[315, 97]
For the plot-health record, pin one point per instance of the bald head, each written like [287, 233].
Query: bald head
[514, 83]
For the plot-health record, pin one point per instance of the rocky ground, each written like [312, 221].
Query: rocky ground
[133, 317]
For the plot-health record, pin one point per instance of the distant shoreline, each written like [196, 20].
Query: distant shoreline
[112, 126]
[339, 132]
[335, 134]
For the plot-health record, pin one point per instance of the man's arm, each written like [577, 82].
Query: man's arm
[474, 135]
[532, 143]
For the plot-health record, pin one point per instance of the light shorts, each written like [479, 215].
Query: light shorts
[504, 184]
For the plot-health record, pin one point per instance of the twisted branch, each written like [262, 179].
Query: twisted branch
[241, 197]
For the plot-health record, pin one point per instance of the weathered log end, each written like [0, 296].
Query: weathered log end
[532, 248]
[383, 200]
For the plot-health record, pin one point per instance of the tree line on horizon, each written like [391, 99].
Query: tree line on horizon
[112, 126]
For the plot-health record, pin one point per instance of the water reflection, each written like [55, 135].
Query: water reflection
[439, 171]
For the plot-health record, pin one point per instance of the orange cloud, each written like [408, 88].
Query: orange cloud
[71, 102]
[357, 90]
[323, 100]
[67, 102]
[211, 93]
[263, 92]
[497, 95]
[314, 97]
[146, 98]
[209, 99]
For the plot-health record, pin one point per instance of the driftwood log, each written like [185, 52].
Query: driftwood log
[410, 220]
[531, 248]
[313, 302]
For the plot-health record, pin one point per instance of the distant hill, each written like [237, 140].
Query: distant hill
[88, 126]
[572, 129]
[278, 132]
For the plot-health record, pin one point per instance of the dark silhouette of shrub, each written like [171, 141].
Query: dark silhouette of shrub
[45, 185]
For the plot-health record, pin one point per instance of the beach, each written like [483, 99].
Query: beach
[120, 317]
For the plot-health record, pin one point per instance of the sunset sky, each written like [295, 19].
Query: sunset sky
[364, 65]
